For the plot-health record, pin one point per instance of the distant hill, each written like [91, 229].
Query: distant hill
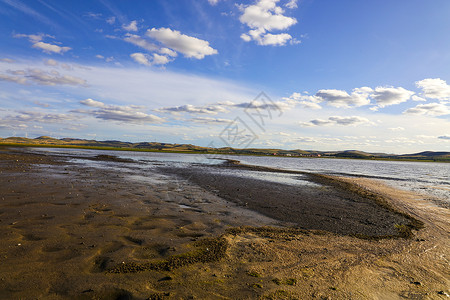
[46, 141]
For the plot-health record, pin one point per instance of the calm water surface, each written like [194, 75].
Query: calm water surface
[430, 179]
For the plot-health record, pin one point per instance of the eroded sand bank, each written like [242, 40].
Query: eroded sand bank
[69, 231]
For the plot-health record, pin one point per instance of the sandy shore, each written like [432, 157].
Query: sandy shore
[72, 231]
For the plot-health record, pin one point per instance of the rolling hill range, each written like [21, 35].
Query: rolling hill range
[45, 141]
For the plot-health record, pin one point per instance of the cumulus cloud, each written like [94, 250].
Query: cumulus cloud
[130, 27]
[226, 106]
[270, 105]
[42, 77]
[126, 114]
[274, 39]
[140, 42]
[385, 96]
[382, 96]
[149, 60]
[187, 45]
[168, 52]
[337, 120]
[264, 17]
[434, 88]
[418, 98]
[36, 40]
[429, 109]
[140, 58]
[160, 59]
[305, 101]
[339, 98]
[188, 108]
[93, 103]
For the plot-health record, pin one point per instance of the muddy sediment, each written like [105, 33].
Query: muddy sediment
[329, 204]
[71, 231]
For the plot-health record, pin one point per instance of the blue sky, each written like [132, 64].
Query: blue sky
[367, 75]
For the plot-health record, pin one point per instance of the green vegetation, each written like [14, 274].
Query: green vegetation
[45, 141]
[208, 250]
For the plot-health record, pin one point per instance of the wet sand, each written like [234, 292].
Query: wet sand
[72, 231]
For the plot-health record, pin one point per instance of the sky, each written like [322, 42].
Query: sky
[315, 75]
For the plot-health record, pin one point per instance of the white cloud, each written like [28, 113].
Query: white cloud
[160, 59]
[11, 78]
[211, 121]
[396, 129]
[93, 15]
[274, 39]
[339, 98]
[42, 77]
[187, 45]
[263, 17]
[305, 101]
[417, 98]
[130, 27]
[92, 103]
[140, 42]
[167, 51]
[125, 114]
[213, 2]
[188, 108]
[429, 109]
[140, 58]
[148, 60]
[111, 20]
[53, 78]
[434, 88]
[246, 37]
[337, 120]
[51, 62]
[291, 4]
[284, 133]
[33, 116]
[36, 40]
[50, 48]
[33, 38]
[385, 96]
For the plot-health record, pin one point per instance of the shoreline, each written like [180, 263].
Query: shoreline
[213, 153]
[63, 226]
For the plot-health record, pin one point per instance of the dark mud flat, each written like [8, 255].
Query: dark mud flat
[332, 206]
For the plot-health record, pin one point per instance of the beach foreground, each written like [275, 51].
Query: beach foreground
[70, 231]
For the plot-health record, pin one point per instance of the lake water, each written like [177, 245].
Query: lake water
[430, 179]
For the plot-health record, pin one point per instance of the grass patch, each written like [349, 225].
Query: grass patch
[253, 274]
[278, 233]
[288, 281]
[208, 250]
